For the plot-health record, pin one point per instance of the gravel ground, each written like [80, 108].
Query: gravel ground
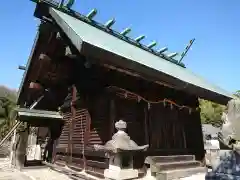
[44, 173]
[7, 173]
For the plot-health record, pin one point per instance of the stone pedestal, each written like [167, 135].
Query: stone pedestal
[120, 151]
[120, 174]
[121, 167]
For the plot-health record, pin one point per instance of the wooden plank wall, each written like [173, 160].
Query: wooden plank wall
[76, 148]
[167, 129]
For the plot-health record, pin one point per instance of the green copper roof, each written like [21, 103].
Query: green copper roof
[25, 114]
[81, 33]
[38, 113]
[175, 58]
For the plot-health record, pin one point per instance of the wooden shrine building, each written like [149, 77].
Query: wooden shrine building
[95, 76]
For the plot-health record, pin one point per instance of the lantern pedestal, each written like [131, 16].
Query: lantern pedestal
[120, 151]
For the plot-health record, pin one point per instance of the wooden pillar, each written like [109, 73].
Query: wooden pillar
[150, 125]
[112, 116]
[13, 147]
[72, 123]
[54, 151]
[86, 136]
[56, 130]
[146, 122]
[21, 143]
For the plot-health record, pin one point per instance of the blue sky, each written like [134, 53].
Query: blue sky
[215, 25]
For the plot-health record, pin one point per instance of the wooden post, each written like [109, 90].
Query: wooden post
[21, 147]
[13, 144]
[112, 117]
[86, 134]
[146, 119]
[72, 122]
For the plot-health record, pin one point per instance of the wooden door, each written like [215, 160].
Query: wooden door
[166, 128]
[100, 121]
[132, 112]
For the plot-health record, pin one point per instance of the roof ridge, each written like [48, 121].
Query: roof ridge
[120, 35]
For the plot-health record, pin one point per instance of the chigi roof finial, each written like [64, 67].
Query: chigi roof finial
[125, 31]
[110, 23]
[66, 5]
[172, 55]
[162, 50]
[92, 13]
[139, 38]
[152, 44]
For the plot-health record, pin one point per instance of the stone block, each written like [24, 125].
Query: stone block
[121, 174]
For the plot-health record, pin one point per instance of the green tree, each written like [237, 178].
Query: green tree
[211, 113]
[237, 94]
[7, 104]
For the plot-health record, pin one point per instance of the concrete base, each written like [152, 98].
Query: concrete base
[120, 174]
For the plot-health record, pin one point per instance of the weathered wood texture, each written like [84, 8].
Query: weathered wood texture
[91, 110]
[90, 127]
[168, 129]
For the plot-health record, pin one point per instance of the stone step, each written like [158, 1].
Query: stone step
[60, 163]
[176, 165]
[168, 159]
[179, 173]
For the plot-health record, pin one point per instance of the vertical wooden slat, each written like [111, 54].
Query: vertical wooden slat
[100, 120]
[80, 128]
[86, 134]
[184, 136]
[166, 128]
[72, 122]
[63, 139]
[146, 119]
[54, 150]
[132, 112]
[97, 127]
[112, 117]
[69, 138]
[150, 128]
[88, 130]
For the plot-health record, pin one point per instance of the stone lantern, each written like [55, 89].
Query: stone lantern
[120, 151]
